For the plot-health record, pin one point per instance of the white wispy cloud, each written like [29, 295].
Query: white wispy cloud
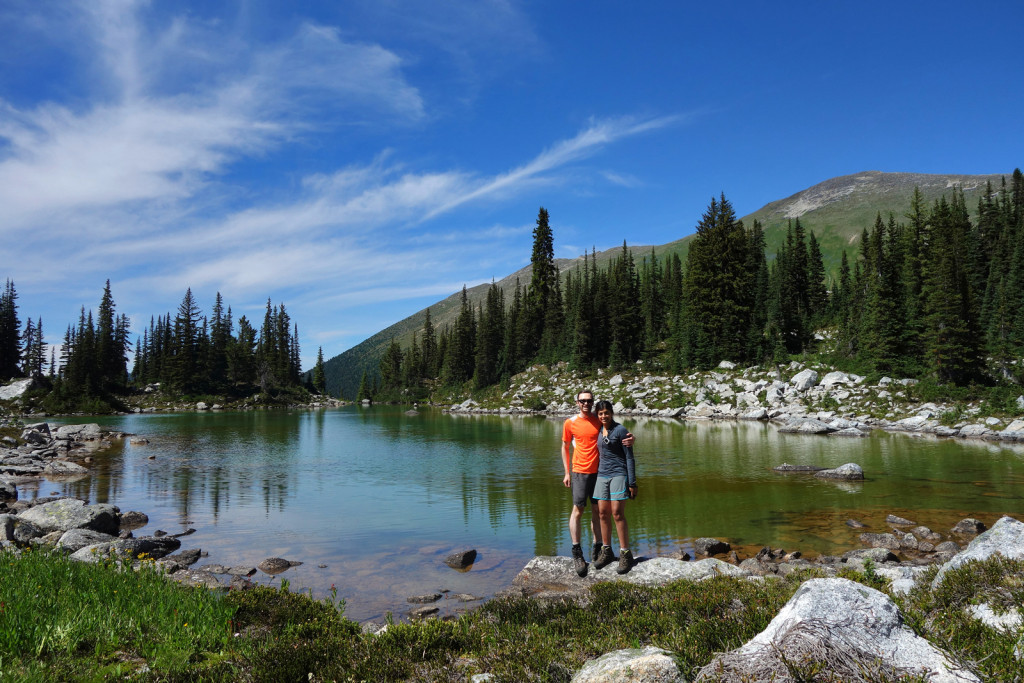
[136, 180]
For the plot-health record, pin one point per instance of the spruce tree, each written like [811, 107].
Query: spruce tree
[715, 286]
[10, 332]
[319, 378]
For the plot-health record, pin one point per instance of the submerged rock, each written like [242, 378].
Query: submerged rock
[461, 560]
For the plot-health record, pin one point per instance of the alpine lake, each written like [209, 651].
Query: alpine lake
[372, 499]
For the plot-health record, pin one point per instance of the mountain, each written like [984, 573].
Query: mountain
[836, 210]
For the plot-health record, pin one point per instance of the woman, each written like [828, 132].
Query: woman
[616, 483]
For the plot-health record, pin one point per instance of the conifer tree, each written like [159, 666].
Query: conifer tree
[10, 332]
[319, 378]
[714, 285]
[540, 294]
[429, 349]
[951, 338]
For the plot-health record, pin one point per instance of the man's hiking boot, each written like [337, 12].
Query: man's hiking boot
[626, 561]
[595, 552]
[578, 563]
[604, 558]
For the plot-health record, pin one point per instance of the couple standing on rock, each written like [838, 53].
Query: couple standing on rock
[601, 468]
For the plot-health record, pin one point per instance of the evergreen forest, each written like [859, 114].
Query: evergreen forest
[188, 354]
[932, 294]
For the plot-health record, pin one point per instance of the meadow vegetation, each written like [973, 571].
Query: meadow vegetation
[67, 621]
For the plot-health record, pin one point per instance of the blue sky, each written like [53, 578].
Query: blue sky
[360, 160]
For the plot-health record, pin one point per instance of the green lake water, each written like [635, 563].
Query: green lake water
[372, 500]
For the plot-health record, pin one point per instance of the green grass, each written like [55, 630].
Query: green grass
[67, 621]
[63, 619]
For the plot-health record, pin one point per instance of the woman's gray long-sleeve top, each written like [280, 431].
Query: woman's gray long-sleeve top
[616, 459]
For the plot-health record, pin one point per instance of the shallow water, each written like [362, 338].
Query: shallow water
[379, 498]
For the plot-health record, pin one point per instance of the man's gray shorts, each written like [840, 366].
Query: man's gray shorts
[583, 488]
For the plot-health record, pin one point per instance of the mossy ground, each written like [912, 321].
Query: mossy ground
[65, 621]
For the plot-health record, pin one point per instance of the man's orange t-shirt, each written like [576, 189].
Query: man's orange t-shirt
[584, 431]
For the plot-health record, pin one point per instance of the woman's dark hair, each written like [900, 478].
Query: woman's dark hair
[604, 405]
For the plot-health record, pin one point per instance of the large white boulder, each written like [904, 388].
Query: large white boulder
[805, 379]
[1006, 537]
[861, 628]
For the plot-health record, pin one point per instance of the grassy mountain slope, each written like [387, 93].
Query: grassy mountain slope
[837, 211]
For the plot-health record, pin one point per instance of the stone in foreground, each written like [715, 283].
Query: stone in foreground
[1005, 537]
[70, 513]
[647, 665]
[856, 630]
[556, 573]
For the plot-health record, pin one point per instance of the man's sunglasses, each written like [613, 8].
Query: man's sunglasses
[587, 401]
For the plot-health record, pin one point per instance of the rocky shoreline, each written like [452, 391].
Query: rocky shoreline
[800, 398]
[94, 532]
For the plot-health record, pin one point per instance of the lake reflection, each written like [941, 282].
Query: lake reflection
[380, 497]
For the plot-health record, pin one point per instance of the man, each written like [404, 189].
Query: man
[580, 464]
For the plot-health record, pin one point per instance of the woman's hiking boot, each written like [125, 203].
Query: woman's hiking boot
[595, 552]
[578, 563]
[604, 558]
[626, 561]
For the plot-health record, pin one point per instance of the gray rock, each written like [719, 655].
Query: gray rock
[975, 431]
[710, 546]
[786, 467]
[241, 570]
[834, 378]
[854, 524]
[969, 527]
[63, 468]
[647, 665]
[196, 579]
[133, 519]
[851, 432]
[755, 414]
[839, 615]
[887, 541]
[806, 425]
[424, 599]
[926, 534]
[848, 472]
[948, 547]
[424, 612]
[18, 530]
[1009, 620]
[547, 573]
[274, 565]
[893, 519]
[76, 539]
[78, 432]
[8, 490]
[92, 554]
[803, 380]
[151, 546]
[1006, 537]
[461, 559]
[876, 555]
[70, 513]
[186, 558]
